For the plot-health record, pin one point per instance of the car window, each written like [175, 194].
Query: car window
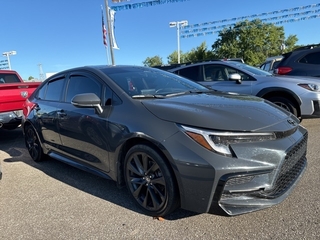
[219, 72]
[266, 66]
[82, 84]
[9, 78]
[153, 82]
[111, 98]
[311, 58]
[215, 73]
[190, 73]
[52, 90]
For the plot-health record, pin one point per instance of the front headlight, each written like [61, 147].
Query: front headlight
[219, 142]
[310, 86]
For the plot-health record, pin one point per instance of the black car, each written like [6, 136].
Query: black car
[172, 142]
[304, 61]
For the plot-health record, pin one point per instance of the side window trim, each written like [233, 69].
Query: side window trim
[45, 85]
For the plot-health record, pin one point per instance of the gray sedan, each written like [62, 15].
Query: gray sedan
[173, 143]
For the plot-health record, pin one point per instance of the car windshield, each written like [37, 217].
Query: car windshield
[150, 82]
[251, 69]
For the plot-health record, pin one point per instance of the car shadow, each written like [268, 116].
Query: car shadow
[79, 179]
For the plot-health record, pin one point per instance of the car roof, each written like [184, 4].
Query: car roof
[274, 58]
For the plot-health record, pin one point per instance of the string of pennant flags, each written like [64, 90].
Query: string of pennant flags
[203, 32]
[294, 17]
[295, 9]
[142, 4]
[202, 29]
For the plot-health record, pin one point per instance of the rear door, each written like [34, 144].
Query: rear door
[46, 113]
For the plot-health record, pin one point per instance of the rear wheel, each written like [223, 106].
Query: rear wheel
[33, 144]
[285, 103]
[150, 181]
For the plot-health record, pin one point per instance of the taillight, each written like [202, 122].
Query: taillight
[28, 107]
[283, 70]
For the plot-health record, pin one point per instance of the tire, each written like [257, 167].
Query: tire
[285, 103]
[150, 181]
[33, 144]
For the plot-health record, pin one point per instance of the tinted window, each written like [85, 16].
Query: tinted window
[191, 73]
[9, 78]
[312, 58]
[42, 92]
[82, 84]
[111, 98]
[54, 90]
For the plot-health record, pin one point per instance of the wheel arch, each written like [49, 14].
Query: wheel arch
[267, 93]
[29, 123]
[159, 148]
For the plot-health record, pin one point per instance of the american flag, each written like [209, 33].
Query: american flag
[104, 32]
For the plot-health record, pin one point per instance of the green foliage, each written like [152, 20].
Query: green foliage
[253, 41]
[30, 78]
[153, 61]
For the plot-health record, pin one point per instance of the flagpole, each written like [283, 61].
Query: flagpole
[109, 32]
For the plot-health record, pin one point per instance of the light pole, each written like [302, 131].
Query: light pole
[178, 24]
[7, 54]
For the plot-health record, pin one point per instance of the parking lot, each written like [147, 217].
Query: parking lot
[51, 200]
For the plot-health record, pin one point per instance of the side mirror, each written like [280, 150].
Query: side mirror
[235, 77]
[87, 100]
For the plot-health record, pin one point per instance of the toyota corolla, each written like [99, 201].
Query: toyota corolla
[172, 142]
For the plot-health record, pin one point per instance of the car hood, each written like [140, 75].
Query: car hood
[222, 111]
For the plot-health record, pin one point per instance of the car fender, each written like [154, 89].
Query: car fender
[269, 90]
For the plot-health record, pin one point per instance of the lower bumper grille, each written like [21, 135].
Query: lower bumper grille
[291, 168]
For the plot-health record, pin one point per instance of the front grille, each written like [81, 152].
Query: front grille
[290, 170]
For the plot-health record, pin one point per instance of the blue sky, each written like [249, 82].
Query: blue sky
[62, 34]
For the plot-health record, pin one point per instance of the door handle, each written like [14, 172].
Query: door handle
[61, 113]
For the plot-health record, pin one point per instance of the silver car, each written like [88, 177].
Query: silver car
[298, 95]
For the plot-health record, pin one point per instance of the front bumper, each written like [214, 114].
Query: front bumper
[261, 175]
[315, 105]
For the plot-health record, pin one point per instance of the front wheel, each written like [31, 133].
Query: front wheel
[33, 144]
[150, 181]
[285, 103]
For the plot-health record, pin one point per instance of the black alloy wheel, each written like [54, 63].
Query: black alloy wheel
[33, 144]
[150, 181]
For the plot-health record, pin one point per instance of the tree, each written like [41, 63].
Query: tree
[30, 78]
[153, 61]
[200, 53]
[173, 57]
[253, 41]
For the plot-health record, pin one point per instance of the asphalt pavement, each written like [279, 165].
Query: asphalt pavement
[52, 200]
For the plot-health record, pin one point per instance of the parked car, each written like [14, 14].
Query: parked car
[171, 141]
[271, 63]
[298, 95]
[304, 61]
[13, 93]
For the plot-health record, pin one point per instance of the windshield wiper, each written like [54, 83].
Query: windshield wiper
[147, 96]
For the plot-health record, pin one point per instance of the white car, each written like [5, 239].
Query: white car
[271, 63]
[298, 95]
